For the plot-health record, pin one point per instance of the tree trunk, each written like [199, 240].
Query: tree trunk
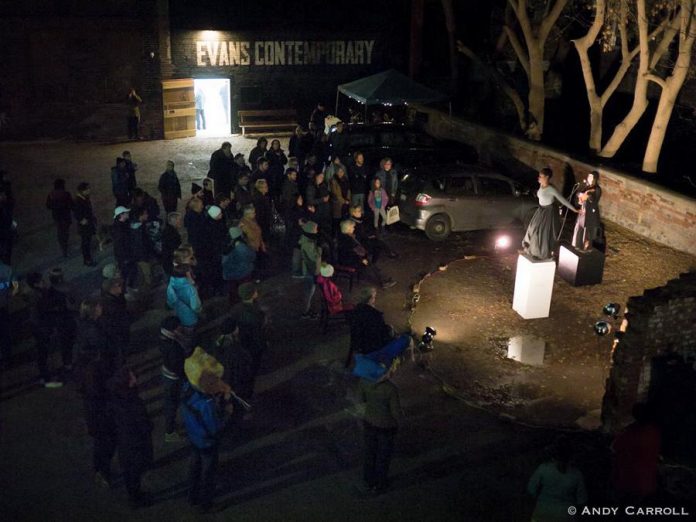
[536, 98]
[658, 131]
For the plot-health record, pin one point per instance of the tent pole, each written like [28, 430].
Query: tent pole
[337, 94]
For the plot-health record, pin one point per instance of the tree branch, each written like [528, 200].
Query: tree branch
[549, 21]
[670, 31]
[593, 32]
[519, 50]
[656, 79]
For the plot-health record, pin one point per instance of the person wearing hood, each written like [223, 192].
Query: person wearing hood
[60, 203]
[174, 348]
[133, 433]
[182, 294]
[310, 262]
[169, 188]
[237, 263]
[171, 240]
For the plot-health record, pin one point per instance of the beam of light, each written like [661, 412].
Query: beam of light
[503, 242]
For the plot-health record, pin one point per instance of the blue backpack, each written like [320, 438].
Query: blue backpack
[201, 418]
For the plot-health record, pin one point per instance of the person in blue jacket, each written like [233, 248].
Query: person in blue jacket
[205, 411]
[237, 263]
[182, 294]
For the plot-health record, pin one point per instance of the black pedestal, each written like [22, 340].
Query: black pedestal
[580, 268]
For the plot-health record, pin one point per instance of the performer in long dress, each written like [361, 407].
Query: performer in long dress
[541, 241]
[588, 227]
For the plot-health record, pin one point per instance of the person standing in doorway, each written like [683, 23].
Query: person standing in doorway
[134, 102]
[60, 203]
[224, 93]
[86, 222]
[200, 110]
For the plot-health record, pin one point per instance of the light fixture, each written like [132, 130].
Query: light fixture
[611, 310]
[602, 328]
[502, 242]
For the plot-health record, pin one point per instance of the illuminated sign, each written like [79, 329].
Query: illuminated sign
[226, 53]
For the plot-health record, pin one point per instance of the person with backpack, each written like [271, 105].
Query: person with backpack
[331, 293]
[205, 410]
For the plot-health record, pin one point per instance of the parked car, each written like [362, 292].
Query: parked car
[407, 146]
[462, 198]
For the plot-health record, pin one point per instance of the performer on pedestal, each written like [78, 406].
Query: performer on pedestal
[541, 239]
[588, 227]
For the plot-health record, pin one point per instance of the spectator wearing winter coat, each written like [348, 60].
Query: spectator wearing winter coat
[205, 409]
[143, 200]
[310, 257]
[338, 141]
[7, 228]
[251, 320]
[60, 203]
[131, 168]
[276, 168]
[318, 196]
[264, 207]
[289, 192]
[101, 427]
[209, 253]
[340, 197]
[331, 293]
[133, 433]
[171, 240]
[169, 188]
[258, 152]
[120, 183]
[92, 339]
[378, 200]
[316, 120]
[242, 194]
[175, 349]
[352, 254]
[86, 222]
[42, 326]
[122, 237]
[194, 221]
[242, 167]
[237, 361]
[237, 263]
[367, 236]
[368, 330]
[300, 145]
[182, 294]
[61, 312]
[115, 317]
[332, 167]
[252, 230]
[223, 169]
[295, 216]
[261, 171]
[357, 174]
[388, 177]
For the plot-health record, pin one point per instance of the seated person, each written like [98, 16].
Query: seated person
[368, 236]
[354, 255]
[332, 294]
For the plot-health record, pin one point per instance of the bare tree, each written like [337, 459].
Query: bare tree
[535, 31]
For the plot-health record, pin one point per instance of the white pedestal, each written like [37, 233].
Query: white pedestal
[533, 287]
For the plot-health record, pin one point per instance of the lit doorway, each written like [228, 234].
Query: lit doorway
[212, 107]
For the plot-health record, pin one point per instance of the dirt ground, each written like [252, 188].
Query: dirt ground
[298, 457]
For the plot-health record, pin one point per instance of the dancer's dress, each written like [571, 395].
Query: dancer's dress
[540, 239]
[588, 227]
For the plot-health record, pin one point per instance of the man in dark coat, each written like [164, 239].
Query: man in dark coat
[131, 167]
[258, 152]
[121, 234]
[223, 169]
[174, 349]
[115, 317]
[120, 183]
[60, 203]
[368, 331]
[209, 253]
[318, 196]
[143, 200]
[171, 240]
[251, 321]
[357, 174]
[169, 188]
[86, 222]
[242, 194]
[316, 120]
[367, 236]
[133, 433]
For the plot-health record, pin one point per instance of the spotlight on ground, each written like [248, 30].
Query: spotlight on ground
[611, 310]
[426, 342]
[602, 328]
[502, 242]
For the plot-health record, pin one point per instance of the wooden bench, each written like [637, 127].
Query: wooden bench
[278, 119]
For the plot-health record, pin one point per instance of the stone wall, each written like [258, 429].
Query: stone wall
[646, 208]
[655, 361]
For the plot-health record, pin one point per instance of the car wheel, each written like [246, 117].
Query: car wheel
[438, 227]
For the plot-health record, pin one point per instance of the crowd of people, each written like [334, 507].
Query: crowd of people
[305, 209]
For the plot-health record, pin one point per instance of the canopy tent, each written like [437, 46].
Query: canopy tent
[388, 88]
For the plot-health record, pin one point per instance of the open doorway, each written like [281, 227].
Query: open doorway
[212, 107]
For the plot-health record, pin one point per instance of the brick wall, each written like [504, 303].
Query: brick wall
[646, 208]
[661, 327]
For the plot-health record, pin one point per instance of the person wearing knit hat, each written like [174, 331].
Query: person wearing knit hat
[209, 252]
[120, 210]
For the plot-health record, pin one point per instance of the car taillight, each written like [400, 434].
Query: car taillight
[422, 199]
